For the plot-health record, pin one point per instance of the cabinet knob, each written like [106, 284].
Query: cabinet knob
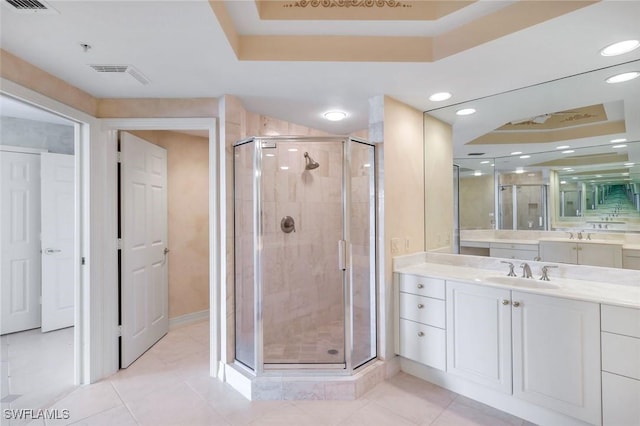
[420, 306]
[420, 285]
[516, 304]
[420, 334]
[505, 302]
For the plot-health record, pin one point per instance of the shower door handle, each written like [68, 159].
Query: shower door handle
[342, 255]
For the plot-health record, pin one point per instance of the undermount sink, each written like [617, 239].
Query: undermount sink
[520, 282]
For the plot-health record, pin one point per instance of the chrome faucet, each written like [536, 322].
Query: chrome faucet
[545, 272]
[526, 270]
[511, 272]
[579, 235]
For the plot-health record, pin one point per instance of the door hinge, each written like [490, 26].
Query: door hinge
[119, 331]
[82, 261]
[119, 157]
[119, 243]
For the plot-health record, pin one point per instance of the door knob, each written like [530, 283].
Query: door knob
[51, 251]
[516, 304]
[505, 302]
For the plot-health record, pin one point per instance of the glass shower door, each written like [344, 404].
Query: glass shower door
[362, 237]
[303, 290]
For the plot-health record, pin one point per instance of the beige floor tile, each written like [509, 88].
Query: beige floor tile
[87, 401]
[119, 416]
[412, 407]
[330, 412]
[142, 377]
[174, 404]
[459, 414]
[373, 414]
[287, 414]
[505, 417]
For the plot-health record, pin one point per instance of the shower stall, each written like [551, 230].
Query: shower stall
[305, 253]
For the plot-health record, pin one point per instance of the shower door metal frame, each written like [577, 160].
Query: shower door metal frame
[346, 368]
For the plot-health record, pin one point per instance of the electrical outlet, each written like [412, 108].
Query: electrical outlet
[396, 243]
[407, 244]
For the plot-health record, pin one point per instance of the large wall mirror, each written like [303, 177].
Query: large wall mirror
[562, 155]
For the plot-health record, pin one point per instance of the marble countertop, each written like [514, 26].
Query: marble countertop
[626, 246]
[577, 289]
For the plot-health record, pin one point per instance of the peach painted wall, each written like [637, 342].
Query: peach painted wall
[188, 206]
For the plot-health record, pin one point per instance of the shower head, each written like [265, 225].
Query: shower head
[311, 163]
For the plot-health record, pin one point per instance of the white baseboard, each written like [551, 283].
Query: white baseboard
[188, 318]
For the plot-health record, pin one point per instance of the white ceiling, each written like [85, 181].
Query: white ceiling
[180, 47]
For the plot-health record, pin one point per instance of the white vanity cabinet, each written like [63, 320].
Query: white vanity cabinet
[631, 259]
[479, 334]
[620, 366]
[514, 251]
[542, 349]
[582, 253]
[421, 320]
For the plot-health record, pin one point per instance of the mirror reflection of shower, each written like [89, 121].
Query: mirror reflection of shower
[311, 163]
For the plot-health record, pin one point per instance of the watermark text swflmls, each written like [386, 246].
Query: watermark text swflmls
[31, 414]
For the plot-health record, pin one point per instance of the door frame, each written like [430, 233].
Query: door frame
[110, 128]
[85, 129]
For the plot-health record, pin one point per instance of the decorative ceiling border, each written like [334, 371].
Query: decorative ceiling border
[515, 17]
[551, 135]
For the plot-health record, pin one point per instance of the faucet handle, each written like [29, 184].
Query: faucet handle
[545, 272]
[571, 235]
[511, 272]
[589, 236]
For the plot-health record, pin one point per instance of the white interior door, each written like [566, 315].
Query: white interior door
[57, 227]
[143, 215]
[19, 241]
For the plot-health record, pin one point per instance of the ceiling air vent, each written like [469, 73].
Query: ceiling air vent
[122, 69]
[30, 6]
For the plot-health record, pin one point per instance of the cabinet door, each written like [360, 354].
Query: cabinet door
[600, 255]
[561, 252]
[556, 354]
[479, 334]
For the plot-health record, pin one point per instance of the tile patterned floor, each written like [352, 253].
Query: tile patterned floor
[169, 385]
[36, 368]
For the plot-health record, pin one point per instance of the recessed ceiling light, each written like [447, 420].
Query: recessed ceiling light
[284, 167]
[441, 96]
[620, 48]
[465, 111]
[598, 176]
[563, 147]
[492, 165]
[525, 156]
[292, 149]
[618, 140]
[270, 155]
[485, 162]
[619, 78]
[629, 164]
[566, 168]
[477, 173]
[516, 153]
[619, 146]
[335, 115]
[569, 151]
[519, 170]
[562, 182]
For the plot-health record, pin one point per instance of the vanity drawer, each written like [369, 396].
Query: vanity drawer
[512, 246]
[423, 344]
[422, 309]
[616, 319]
[620, 400]
[429, 287]
[621, 355]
